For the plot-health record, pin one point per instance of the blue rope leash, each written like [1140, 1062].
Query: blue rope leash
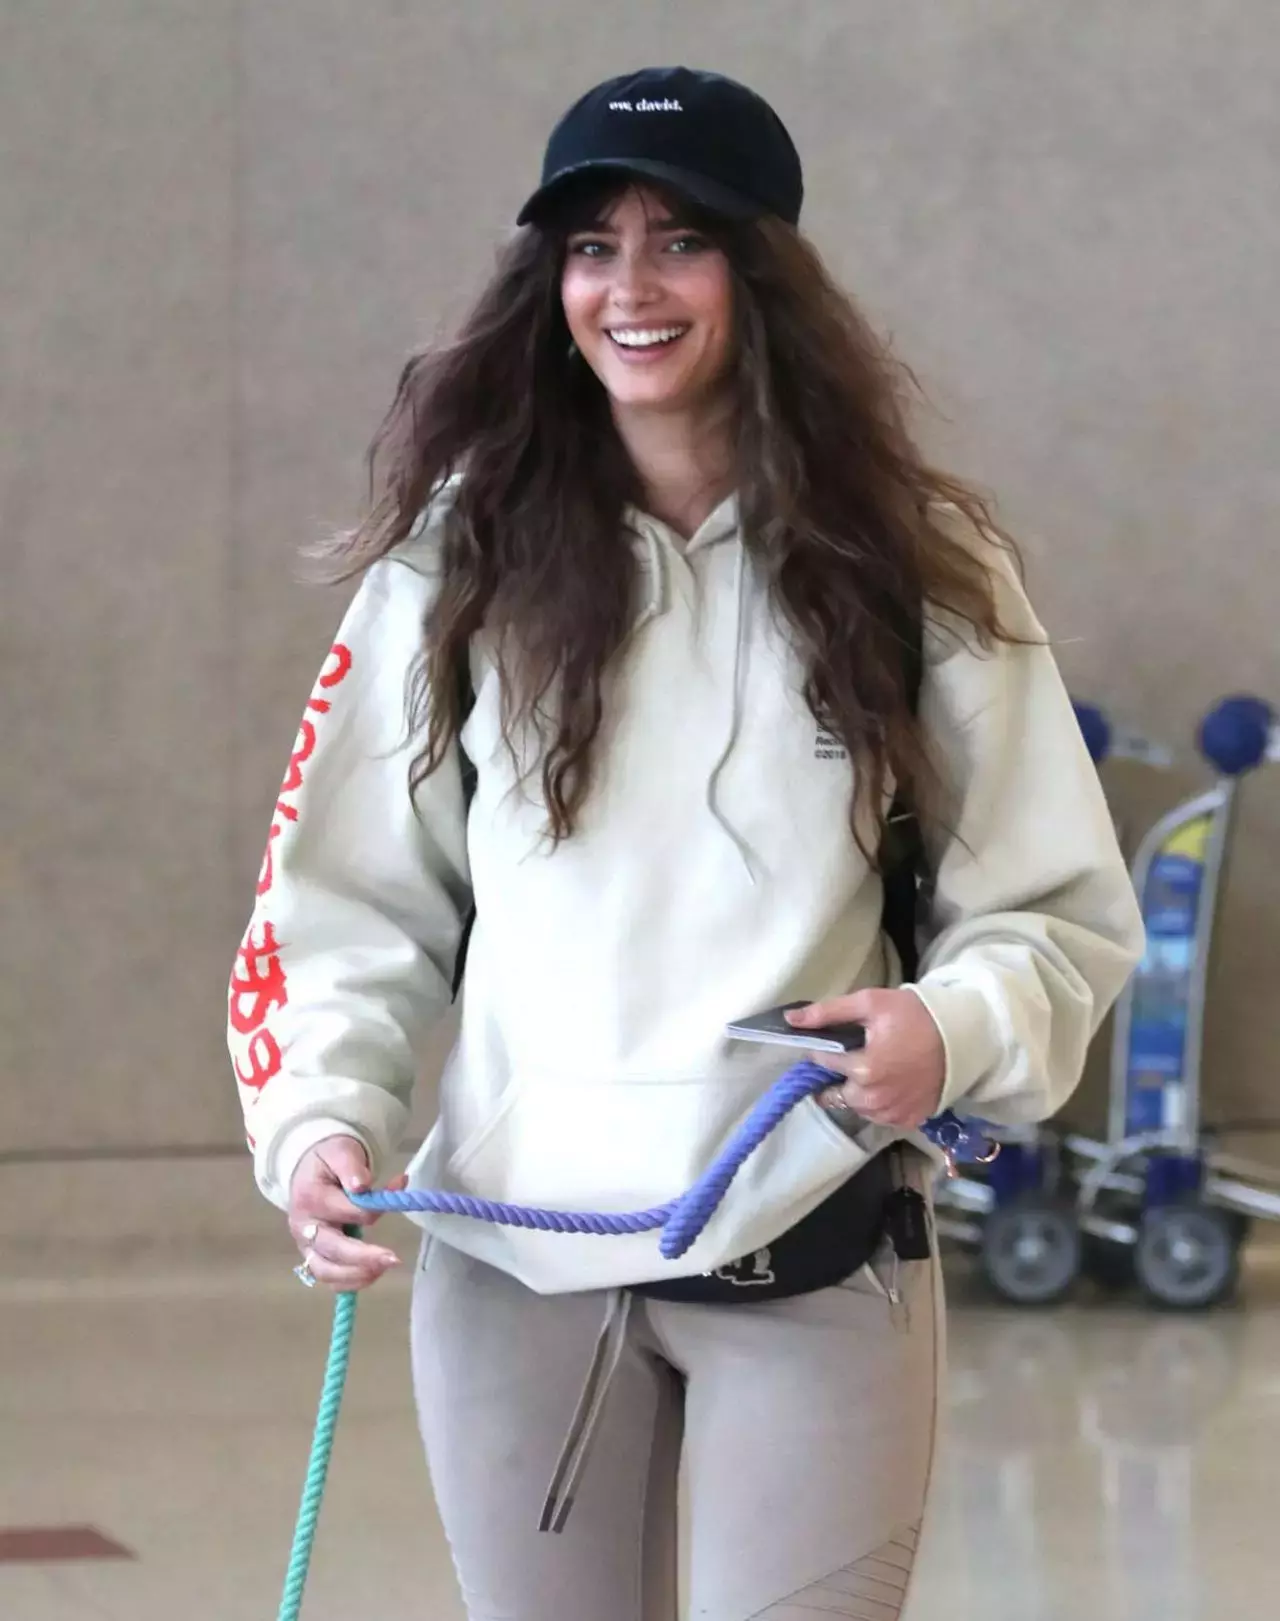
[681, 1222]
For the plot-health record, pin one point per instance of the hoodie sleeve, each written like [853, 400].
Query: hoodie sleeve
[349, 954]
[1035, 925]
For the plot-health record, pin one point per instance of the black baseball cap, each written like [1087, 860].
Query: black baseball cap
[707, 136]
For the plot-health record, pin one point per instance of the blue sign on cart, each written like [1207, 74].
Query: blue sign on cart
[1163, 986]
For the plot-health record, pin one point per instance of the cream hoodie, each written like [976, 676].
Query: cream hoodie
[712, 875]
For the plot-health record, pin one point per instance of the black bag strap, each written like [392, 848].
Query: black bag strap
[466, 703]
[902, 856]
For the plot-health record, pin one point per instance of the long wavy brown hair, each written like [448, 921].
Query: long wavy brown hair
[838, 507]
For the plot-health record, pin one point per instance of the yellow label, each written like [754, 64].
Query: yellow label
[1191, 840]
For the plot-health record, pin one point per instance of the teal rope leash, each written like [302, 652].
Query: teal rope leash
[335, 1378]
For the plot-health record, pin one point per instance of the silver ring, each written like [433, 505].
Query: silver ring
[305, 1275]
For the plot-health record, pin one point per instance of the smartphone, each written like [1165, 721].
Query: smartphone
[773, 1029]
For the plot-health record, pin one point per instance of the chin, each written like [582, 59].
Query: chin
[652, 399]
[651, 393]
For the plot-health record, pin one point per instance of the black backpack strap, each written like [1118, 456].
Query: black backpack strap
[902, 854]
[466, 703]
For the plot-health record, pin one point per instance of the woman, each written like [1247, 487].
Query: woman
[633, 671]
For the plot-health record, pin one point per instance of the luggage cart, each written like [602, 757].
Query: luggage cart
[1174, 1211]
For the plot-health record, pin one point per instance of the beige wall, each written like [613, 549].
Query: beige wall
[222, 224]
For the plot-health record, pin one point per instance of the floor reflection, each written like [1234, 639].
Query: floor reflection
[1102, 1461]
[1099, 1460]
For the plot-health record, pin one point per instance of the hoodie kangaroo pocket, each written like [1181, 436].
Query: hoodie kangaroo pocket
[618, 1146]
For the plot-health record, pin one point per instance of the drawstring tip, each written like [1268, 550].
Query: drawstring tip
[555, 1514]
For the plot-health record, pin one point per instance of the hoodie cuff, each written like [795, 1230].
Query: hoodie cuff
[970, 1038]
[276, 1167]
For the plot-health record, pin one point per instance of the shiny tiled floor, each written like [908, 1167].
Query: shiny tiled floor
[1101, 1462]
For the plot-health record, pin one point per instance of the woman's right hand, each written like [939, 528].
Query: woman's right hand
[319, 1209]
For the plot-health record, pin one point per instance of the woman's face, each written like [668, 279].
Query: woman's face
[648, 303]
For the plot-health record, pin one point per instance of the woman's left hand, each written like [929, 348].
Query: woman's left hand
[897, 1078]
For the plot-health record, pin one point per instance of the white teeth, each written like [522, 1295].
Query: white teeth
[636, 338]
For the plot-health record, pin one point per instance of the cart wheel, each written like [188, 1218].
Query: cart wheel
[1031, 1251]
[1187, 1256]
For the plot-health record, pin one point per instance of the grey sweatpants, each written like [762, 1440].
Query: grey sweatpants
[806, 1429]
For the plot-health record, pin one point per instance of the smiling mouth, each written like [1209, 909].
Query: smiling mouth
[645, 340]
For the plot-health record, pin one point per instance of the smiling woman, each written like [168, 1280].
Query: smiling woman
[653, 544]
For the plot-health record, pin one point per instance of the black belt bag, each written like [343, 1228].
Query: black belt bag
[829, 1245]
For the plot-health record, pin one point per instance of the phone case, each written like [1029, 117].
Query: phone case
[773, 1029]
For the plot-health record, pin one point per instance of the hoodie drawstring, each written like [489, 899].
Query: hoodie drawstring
[585, 1424]
[735, 712]
[656, 604]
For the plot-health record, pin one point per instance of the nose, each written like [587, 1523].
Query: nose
[634, 283]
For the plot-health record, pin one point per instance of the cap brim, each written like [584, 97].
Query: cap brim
[706, 193]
